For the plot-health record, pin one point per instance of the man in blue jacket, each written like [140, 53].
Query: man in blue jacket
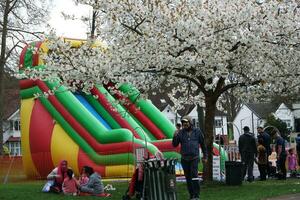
[190, 138]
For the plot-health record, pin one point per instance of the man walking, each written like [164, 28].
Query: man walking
[266, 141]
[190, 138]
[248, 151]
[281, 154]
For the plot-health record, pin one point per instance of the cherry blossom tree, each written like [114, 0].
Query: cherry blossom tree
[205, 47]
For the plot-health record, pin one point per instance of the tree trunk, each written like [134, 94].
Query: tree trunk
[2, 64]
[210, 108]
[93, 28]
[200, 117]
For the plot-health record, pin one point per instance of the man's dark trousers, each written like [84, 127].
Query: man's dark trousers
[281, 166]
[248, 160]
[190, 168]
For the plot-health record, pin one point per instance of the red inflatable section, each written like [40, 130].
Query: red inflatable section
[22, 57]
[147, 123]
[36, 55]
[84, 160]
[105, 149]
[40, 132]
[123, 123]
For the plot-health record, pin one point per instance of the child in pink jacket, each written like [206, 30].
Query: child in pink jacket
[292, 163]
[70, 184]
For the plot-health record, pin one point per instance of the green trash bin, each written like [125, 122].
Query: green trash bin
[234, 172]
[159, 180]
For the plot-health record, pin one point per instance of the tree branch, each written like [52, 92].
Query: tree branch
[135, 28]
[227, 87]
[191, 48]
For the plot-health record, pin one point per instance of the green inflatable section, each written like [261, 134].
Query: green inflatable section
[149, 110]
[224, 157]
[146, 131]
[120, 135]
[102, 111]
[123, 113]
[116, 159]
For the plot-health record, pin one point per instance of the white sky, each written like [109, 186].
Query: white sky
[68, 28]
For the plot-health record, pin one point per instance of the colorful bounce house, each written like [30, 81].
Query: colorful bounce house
[86, 130]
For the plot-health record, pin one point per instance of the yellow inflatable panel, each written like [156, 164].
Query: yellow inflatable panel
[26, 110]
[119, 171]
[44, 48]
[64, 148]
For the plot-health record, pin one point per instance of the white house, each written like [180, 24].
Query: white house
[164, 104]
[220, 121]
[11, 123]
[12, 133]
[255, 114]
[296, 112]
[286, 115]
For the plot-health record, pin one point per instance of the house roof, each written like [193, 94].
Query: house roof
[13, 139]
[262, 110]
[161, 100]
[11, 96]
[11, 102]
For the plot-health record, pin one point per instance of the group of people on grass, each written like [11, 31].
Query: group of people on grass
[89, 182]
[258, 150]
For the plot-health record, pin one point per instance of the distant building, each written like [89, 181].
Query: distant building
[164, 104]
[11, 123]
[255, 114]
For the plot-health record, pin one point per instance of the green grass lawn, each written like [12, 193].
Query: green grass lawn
[256, 190]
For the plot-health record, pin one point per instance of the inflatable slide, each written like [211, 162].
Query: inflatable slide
[88, 129]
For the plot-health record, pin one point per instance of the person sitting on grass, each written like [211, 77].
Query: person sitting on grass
[94, 186]
[58, 174]
[83, 179]
[70, 184]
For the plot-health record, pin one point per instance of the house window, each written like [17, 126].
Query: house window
[11, 125]
[14, 148]
[162, 100]
[287, 122]
[17, 125]
[218, 123]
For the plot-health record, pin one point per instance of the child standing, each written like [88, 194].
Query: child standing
[70, 184]
[292, 163]
[262, 160]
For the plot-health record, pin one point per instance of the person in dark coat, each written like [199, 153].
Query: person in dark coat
[298, 147]
[281, 155]
[248, 151]
[266, 142]
[190, 138]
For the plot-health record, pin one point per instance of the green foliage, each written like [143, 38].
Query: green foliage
[211, 191]
[5, 150]
[279, 124]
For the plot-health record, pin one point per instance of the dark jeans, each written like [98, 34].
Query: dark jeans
[248, 160]
[263, 171]
[281, 167]
[190, 168]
